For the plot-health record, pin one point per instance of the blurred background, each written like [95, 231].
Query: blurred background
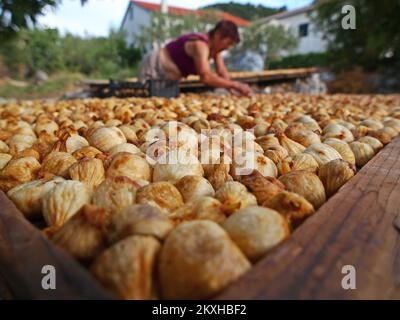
[49, 47]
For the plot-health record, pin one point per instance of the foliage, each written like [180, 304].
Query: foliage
[269, 40]
[98, 56]
[168, 26]
[376, 40]
[47, 50]
[302, 61]
[3, 69]
[246, 11]
[44, 50]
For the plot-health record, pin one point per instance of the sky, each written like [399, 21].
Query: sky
[97, 17]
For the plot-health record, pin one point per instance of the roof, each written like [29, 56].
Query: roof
[288, 13]
[154, 7]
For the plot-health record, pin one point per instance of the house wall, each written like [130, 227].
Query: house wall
[313, 42]
[135, 19]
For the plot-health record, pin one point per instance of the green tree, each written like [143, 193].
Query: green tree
[45, 49]
[266, 39]
[376, 40]
[14, 57]
[18, 14]
[33, 50]
[99, 56]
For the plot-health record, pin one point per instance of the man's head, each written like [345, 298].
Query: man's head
[224, 35]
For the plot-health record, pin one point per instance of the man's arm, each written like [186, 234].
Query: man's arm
[220, 65]
[200, 55]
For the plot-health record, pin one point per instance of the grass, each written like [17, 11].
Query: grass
[54, 87]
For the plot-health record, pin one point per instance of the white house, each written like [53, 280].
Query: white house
[139, 15]
[299, 22]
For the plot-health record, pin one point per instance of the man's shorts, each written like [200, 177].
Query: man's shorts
[151, 67]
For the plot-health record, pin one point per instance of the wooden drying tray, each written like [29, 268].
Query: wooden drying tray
[193, 82]
[359, 226]
[23, 253]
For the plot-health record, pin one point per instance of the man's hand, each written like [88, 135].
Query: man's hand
[200, 55]
[241, 88]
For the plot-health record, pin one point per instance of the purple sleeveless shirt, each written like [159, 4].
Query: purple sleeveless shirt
[176, 50]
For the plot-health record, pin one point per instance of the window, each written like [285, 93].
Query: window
[131, 13]
[303, 30]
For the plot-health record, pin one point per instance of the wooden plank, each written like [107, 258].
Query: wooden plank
[359, 226]
[23, 253]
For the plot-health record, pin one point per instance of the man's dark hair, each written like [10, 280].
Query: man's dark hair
[227, 29]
